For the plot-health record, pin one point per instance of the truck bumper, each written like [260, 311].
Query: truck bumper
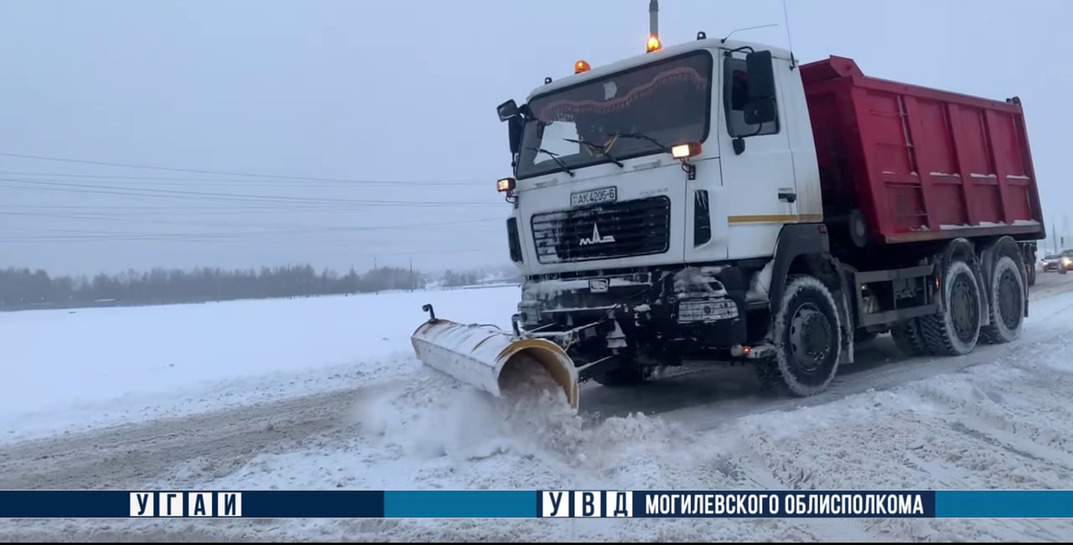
[658, 315]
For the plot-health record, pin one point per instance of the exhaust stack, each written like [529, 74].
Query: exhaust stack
[653, 18]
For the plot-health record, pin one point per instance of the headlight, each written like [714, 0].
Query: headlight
[1066, 261]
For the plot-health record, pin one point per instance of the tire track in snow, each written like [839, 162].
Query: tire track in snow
[129, 456]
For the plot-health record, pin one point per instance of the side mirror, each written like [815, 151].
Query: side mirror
[507, 110]
[761, 75]
[759, 111]
[761, 106]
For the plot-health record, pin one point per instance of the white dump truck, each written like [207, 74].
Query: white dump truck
[717, 201]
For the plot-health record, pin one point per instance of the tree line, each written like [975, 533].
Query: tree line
[23, 288]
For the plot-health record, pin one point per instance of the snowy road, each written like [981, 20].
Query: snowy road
[998, 418]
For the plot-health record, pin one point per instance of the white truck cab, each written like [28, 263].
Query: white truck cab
[605, 135]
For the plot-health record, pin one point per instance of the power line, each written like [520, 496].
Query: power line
[239, 208]
[186, 238]
[113, 236]
[217, 172]
[168, 180]
[247, 197]
[285, 228]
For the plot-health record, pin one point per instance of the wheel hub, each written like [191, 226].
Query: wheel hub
[1009, 299]
[810, 338]
[964, 309]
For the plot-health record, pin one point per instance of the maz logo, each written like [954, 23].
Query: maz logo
[596, 238]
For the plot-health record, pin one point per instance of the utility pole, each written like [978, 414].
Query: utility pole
[1065, 229]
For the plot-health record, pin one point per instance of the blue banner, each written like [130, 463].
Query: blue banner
[1004, 504]
[537, 504]
[457, 504]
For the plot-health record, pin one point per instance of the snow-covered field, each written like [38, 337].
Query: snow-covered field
[73, 369]
[322, 394]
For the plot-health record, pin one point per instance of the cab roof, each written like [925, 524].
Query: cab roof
[710, 44]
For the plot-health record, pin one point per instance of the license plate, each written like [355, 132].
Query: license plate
[594, 196]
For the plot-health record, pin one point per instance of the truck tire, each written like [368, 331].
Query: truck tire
[807, 336]
[956, 330]
[767, 375]
[1007, 297]
[908, 338]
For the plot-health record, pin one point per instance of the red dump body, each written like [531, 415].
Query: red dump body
[920, 164]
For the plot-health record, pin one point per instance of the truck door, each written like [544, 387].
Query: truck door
[757, 164]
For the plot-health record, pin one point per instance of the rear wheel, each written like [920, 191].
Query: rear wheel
[955, 331]
[808, 337]
[1007, 297]
[908, 338]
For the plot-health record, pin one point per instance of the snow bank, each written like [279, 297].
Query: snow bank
[86, 367]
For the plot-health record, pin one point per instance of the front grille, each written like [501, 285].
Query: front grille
[618, 229]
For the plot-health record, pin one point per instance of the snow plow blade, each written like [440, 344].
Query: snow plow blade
[478, 355]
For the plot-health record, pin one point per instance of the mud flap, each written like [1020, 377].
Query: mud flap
[478, 355]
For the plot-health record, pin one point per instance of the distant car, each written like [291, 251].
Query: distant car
[1060, 263]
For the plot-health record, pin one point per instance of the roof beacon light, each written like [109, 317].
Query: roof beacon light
[581, 66]
[653, 44]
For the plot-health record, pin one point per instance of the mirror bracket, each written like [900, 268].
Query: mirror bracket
[690, 169]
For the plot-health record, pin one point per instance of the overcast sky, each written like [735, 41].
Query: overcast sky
[337, 104]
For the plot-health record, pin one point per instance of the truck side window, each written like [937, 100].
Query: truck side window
[736, 97]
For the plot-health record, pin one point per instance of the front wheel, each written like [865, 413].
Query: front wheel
[808, 337]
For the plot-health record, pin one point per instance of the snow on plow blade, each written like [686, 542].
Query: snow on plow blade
[478, 354]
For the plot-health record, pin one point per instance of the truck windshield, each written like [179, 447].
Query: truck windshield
[635, 112]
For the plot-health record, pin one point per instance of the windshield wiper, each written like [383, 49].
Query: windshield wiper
[602, 150]
[555, 157]
[642, 136]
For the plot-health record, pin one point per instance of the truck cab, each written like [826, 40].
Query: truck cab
[606, 136]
